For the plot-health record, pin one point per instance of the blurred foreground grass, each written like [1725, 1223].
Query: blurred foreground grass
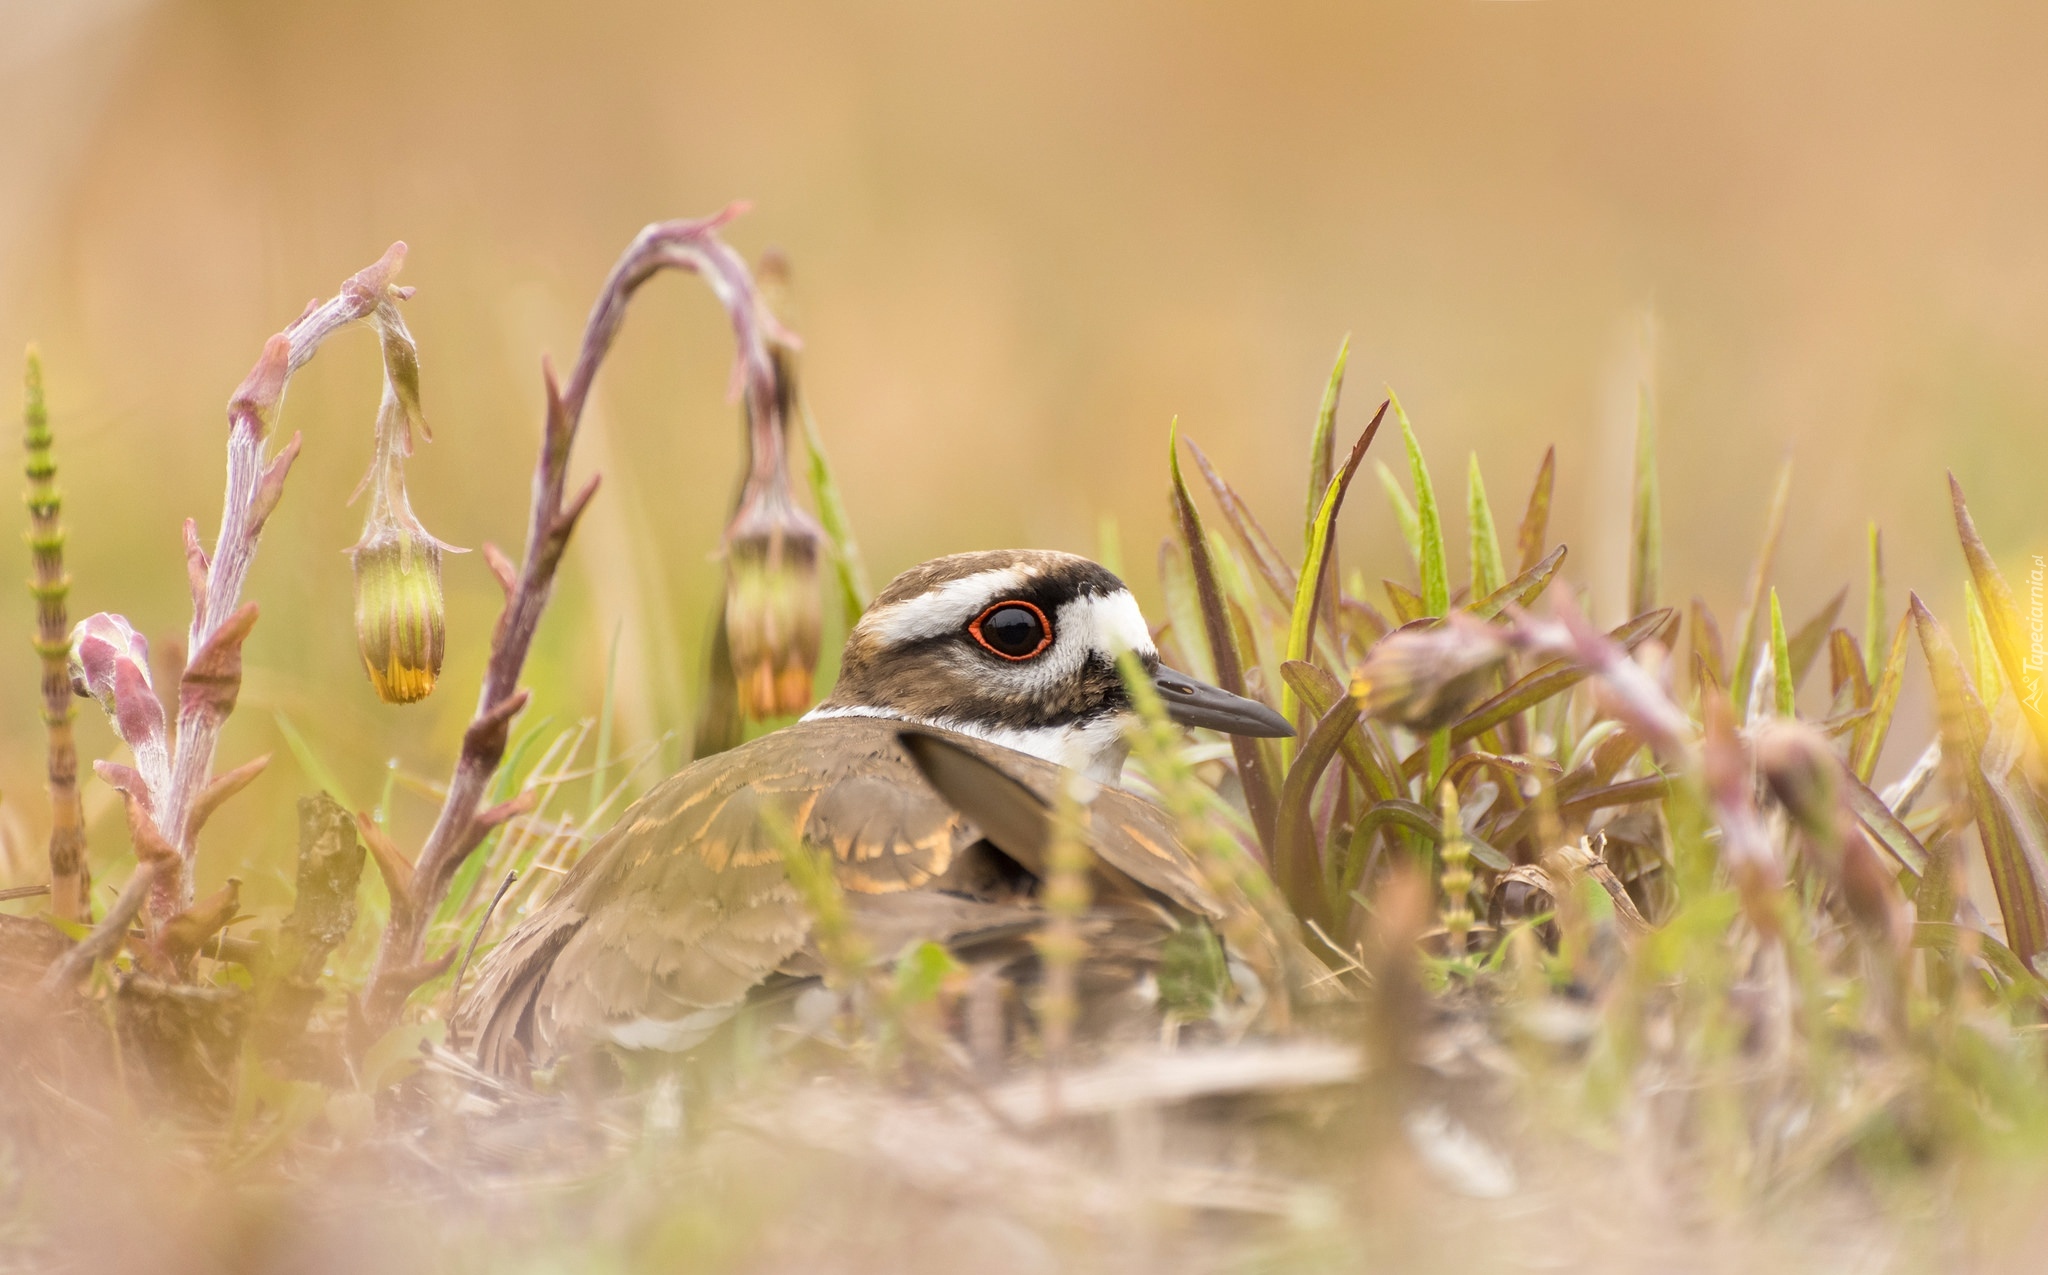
[1610, 954]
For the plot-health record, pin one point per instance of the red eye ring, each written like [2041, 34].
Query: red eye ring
[1044, 631]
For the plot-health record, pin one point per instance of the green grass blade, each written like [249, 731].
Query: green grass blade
[1781, 663]
[1807, 642]
[2002, 618]
[1646, 518]
[1259, 795]
[1867, 743]
[1535, 529]
[1874, 609]
[848, 571]
[311, 764]
[603, 762]
[1488, 572]
[1965, 731]
[1436, 576]
[1322, 447]
[1109, 544]
[1747, 649]
[1295, 861]
[1404, 512]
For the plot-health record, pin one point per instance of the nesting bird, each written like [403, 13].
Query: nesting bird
[970, 692]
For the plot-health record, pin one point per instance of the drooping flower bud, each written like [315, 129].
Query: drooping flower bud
[772, 547]
[401, 614]
[1425, 678]
[110, 663]
[771, 614]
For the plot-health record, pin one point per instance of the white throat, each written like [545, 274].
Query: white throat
[1096, 748]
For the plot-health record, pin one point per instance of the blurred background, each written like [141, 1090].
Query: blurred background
[1024, 238]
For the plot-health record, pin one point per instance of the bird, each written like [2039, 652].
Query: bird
[972, 691]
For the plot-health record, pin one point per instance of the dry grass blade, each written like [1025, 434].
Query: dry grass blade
[1646, 517]
[2001, 616]
[1257, 547]
[1535, 529]
[1807, 642]
[1259, 795]
[1965, 730]
[1747, 647]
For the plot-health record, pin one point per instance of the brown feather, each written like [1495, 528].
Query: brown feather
[684, 907]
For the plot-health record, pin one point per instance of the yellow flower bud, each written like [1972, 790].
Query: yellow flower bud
[771, 618]
[401, 616]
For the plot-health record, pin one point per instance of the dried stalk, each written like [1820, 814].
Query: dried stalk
[417, 890]
[70, 875]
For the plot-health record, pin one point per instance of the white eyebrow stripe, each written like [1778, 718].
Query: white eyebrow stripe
[946, 608]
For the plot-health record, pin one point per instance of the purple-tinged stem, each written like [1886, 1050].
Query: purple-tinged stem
[462, 825]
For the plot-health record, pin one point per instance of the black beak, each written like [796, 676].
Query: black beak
[1196, 703]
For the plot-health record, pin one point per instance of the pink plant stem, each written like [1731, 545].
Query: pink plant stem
[460, 828]
[254, 484]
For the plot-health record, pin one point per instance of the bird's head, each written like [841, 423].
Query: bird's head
[1019, 647]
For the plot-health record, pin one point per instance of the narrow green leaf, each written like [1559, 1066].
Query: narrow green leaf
[1874, 609]
[1404, 513]
[1867, 743]
[1540, 684]
[1965, 730]
[1319, 692]
[1983, 653]
[848, 571]
[1488, 572]
[1781, 662]
[1890, 831]
[1436, 576]
[1535, 528]
[1322, 447]
[1259, 795]
[2002, 618]
[1646, 519]
[1295, 862]
[1747, 649]
[1521, 591]
[1406, 602]
[598, 771]
[1309, 590]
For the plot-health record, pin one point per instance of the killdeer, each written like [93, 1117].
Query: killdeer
[969, 693]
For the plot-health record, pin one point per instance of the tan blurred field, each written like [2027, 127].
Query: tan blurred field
[1024, 238]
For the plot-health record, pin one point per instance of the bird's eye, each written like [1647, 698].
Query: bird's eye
[1013, 630]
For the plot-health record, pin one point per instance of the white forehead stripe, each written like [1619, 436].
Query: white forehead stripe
[946, 608]
[1108, 622]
